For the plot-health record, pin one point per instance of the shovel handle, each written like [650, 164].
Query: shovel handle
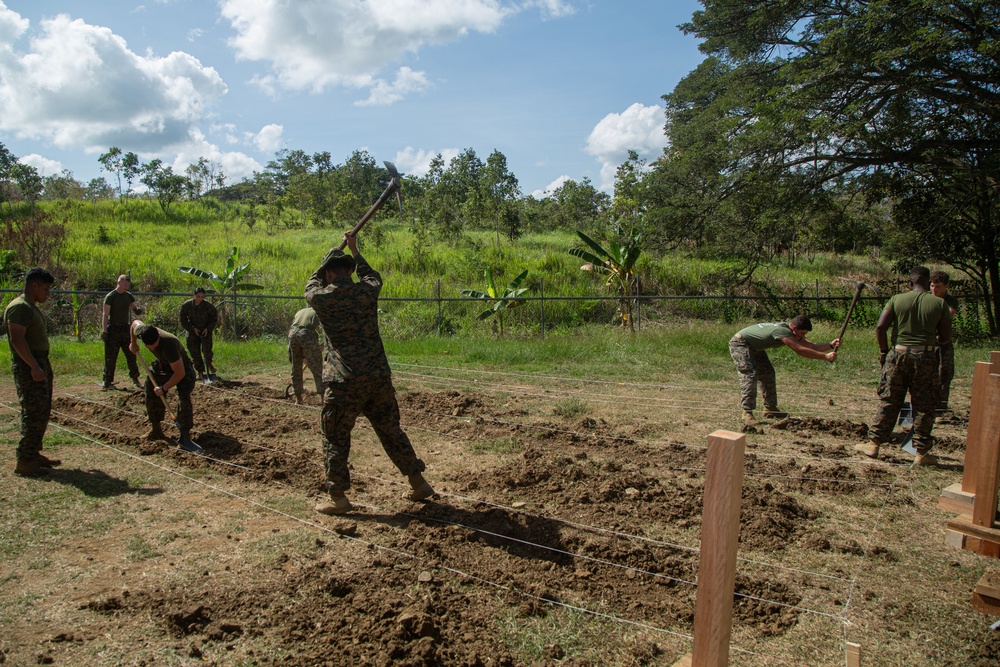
[149, 374]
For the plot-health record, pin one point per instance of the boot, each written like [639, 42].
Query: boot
[869, 448]
[30, 469]
[298, 399]
[749, 420]
[338, 504]
[925, 459]
[774, 413]
[156, 433]
[45, 461]
[421, 490]
[138, 385]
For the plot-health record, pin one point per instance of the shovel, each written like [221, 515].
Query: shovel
[186, 444]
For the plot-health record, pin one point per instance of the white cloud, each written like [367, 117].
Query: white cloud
[195, 34]
[44, 165]
[550, 188]
[383, 93]
[638, 128]
[234, 164]
[417, 163]
[269, 139]
[314, 44]
[79, 85]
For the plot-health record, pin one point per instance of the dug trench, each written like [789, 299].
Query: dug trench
[583, 518]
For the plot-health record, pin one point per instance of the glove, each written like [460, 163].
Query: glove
[881, 359]
[104, 336]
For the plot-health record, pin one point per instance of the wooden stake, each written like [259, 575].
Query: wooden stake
[720, 532]
[984, 507]
[977, 417]
[853, 655]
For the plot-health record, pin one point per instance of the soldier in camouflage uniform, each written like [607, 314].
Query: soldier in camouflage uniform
[171, 368]
[118, 304]
[748, 348]
[946, 351]
[304, 348]
[923, 321]
[357, 373]
[29, 352]
[199, 317]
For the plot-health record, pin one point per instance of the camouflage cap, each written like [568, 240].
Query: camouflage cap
[337, 258]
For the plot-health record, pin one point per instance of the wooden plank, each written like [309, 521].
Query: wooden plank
[720, 532]
[986, 604]
[963, 524]
[685, 661]
[955, 539]
[989, 548]
[960, 503]
[989, 584]
[853, 655]
[987, 482]
[972, 543]
[977, 417]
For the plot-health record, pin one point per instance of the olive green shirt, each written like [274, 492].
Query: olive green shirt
[918, 314]
[120, 304]
[21, 311]
[306, 319]
[765, 335]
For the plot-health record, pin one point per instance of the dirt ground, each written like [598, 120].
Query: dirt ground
[565, 533]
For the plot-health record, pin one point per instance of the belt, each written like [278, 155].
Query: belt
[904, 349]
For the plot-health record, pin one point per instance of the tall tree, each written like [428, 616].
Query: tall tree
[853, 92]
[502, 191]
[161, 180]
[124, 165]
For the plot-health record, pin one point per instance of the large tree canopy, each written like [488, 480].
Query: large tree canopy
[802, 101]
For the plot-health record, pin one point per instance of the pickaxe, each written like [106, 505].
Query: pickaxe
[395, 183]
[858, 286]
[186, 444]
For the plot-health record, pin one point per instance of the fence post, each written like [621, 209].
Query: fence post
[720, 532]
[439, 305]
[638, 304]
[541, 302]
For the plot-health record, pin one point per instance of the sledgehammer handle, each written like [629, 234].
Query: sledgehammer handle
[850, 311]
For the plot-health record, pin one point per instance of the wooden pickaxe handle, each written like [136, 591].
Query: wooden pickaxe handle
[149, 372]
[850, 311]
[393, 188]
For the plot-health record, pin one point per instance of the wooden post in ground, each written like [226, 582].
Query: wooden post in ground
[720, 533]
[984, 507]
[853, 655]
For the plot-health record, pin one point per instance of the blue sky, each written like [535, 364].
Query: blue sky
[563, 88]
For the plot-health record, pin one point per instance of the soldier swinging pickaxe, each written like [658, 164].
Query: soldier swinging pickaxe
[858, 286]
[395, 183]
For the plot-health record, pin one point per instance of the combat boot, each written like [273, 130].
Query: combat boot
[45, 461]
[774, 413]
[869, 448]
[156, 433]
[138, 385]
[749, 420]
[925, 459]
[421, 490]
[298, 399]
[30, 469]
[338, 504]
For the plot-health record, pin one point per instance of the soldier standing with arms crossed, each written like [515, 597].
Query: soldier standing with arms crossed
[29, 351]
[118, 304]
[357, 373]
[923, 321]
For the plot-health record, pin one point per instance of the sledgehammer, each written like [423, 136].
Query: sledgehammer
[858, 286]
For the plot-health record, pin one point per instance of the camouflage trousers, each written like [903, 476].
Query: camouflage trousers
[304, 348]
[36, 405]
[375, 398]
[118, 339]
[946, 358]
[754, 368]
[916, 373]
[155, 409]
[196, 346]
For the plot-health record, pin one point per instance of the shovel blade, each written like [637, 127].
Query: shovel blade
[189, 445]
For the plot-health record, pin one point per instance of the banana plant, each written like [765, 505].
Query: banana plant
[617, 262]
[77, 304]
[500, 302]
[229, 283]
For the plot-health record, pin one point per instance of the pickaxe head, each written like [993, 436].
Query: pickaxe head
[860, 285]
[396, 181]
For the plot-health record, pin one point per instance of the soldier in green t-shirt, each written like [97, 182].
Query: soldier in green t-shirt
[119, 304]
[748, 349]
[29, 351]
[171, 368]
[923, 322]
[304, 348]
[946, 351]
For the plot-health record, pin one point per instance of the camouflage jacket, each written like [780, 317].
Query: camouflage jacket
[195, 316]
[348, 312]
